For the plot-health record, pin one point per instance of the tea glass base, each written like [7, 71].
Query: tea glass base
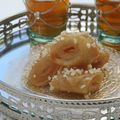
[111, 41]
[36, 39]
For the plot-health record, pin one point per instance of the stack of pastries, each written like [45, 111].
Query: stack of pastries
[72, 63]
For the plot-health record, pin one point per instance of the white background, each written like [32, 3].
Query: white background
[11, 7]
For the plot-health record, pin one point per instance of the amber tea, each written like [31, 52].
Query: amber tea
[47, 18]
[108, 12]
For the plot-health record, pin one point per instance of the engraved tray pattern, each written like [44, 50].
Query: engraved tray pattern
[24, 106]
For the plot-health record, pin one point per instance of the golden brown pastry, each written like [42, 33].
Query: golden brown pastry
[82, 84]
[40, 71]
[72, 51]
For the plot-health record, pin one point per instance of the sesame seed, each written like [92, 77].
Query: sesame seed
[49, 78]
[73, 73]
[87, 78]
[81, 70]
[83, 86]
[78, 71]
[65, 76]
[54, 77]
[65, 69]
[88, 45]
[34, 76]
[91, 71]
[94, 69]
[86, 72]
[98, 70]
[89, 66]
[62, 38]
[93, 45]
[71, 69]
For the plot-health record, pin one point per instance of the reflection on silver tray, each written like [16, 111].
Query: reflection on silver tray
[18, 103]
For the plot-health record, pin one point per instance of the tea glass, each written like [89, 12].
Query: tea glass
[46, 18]
[108, 19]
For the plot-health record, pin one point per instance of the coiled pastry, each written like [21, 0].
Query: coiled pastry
[74, 51]
[73, 64]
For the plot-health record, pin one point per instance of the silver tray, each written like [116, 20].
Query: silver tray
[17, 102]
